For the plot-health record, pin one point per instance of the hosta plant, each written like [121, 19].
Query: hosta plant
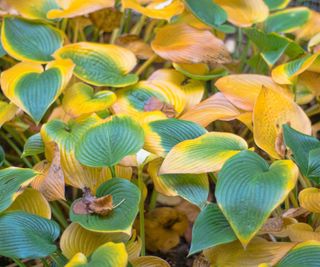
[139, 133]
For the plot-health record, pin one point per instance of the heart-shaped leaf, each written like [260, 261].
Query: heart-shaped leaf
[34, 89]
[77, 239]
[33, 146]
[101, 64]
[107, 255]
[162, 135]
[24, 235]
[192, 187]
[210, 229]
[248, 190]
[126, 198]
[28, 40]
[80, 99]
[206, 153]
[303, 254]
[11, 181]
[106, 144]
[32, 201]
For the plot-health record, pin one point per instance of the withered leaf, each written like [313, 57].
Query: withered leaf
[106, 19]
[155, 104]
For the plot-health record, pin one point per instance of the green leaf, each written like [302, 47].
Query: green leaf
[248, 190]
[213, 74]
[305, 254]
[210, 229]
[301, 145]
[272, 46]
[24, 235]
[2, 156]
[207, 11]
[124, 193]
[314, 165]
[33, 146]
[287, 20]
[106, 144]
[11, 181]
[276, 4]
[30, 40]
[162, 135]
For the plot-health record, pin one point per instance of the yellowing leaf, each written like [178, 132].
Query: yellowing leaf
[206, 153]
[158, 9]
[258, 251]
[33, 88]
[216, 107]
[32, 201]
[242, 90]
[300, 232]
[77, 239]
[244, 13]
[74, 8]
[7, 112]
[273, 109]
[81, 99]
[100, 64]
[166, 97]
[311, 28]
[309, 199]
[149, 261]
[179, 43]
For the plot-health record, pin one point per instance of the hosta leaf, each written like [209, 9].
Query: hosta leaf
[28, 40]
[159, 9]
[149, 261]
[107, 143]
[180, 43]
[36, 9]
[107, 255]
[210, 229]
[101, 64]
[258, 251]
[244, 13]
[311, 28]
[301, 146]
[272, 46]
[162, 135]
[33, 146]
[208, 12]
[309, 199]
[34, 89]
[122, 217]
[299, 232]
[303, 254]
[242, 90]
[276, 4]
[314, 164]
[11, 181]
[32, 201]
[248, 190]
[66, 135]
[2, 156]
[273, 109]
[206, 153]
[7, 112]
[134, 100]
[81, 99]
[193, 89]
[77, 239]
[24, 235]
[287, 20]
[192, 187]
[216, 107]
[287, 73]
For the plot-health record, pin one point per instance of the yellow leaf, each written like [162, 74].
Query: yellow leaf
[216, 107]
[32, 201]
[273, 109]
[311, 28]
[300, 232]
[258, 251]
[242, 90]
[7, 112]
[179, 43]
[309, 199]
[74, 8]
[244, 13]
[157, 9]
[149, 261]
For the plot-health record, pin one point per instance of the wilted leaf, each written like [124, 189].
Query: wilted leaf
[106, 19]
[149, 261]
[309, 199]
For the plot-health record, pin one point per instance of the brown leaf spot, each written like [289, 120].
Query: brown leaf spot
[155, 104]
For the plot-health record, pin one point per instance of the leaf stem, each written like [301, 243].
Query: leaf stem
[113, 171]
[153, 199]
[58, 214]
[141, 211]
[18, 262]
[146, 64]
